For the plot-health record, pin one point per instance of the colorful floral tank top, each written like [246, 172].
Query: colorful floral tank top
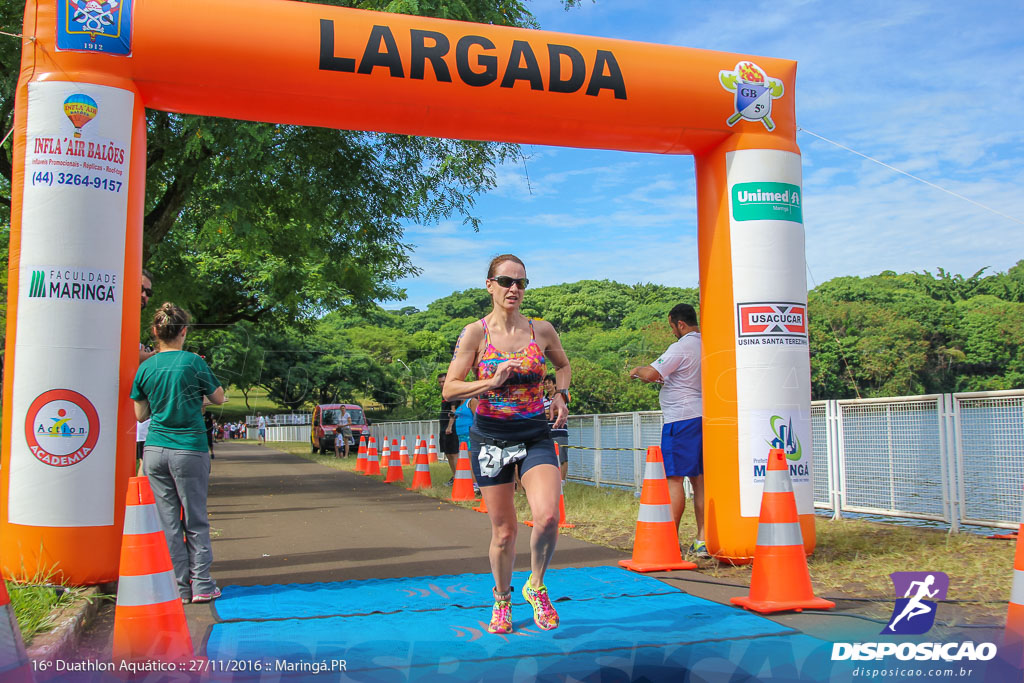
[522, 395]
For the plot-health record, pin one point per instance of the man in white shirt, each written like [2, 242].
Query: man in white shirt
[261, 429]
[682, 443]
[344, 433]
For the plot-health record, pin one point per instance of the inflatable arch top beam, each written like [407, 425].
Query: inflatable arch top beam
[88, 72]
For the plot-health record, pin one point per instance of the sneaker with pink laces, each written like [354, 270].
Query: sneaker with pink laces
[544, 614]
[501, 613]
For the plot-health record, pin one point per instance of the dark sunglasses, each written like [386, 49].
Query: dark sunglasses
[147, 291]
[506, 281]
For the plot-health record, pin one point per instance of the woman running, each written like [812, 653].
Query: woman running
[509, 354]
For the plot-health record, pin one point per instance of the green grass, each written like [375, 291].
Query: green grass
[35, 606]
[235, 409]
[852, 558]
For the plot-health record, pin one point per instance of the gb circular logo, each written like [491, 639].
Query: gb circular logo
[62, 427]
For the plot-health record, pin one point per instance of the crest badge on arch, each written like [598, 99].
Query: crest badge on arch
[95, 26]
[754, 91]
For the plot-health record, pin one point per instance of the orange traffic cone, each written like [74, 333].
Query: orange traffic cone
[482, 507]
[395, 472]
[432, 450]
[421, 477]
[372, 459]
[403, 453]
[656, 545]
[14, 663]
[149, 620]
[1013, 637]
[462, 488]
[385, 457]
[779, 580]
[361, 456]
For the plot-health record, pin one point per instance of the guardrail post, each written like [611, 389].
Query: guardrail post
[638, 462]
[597, 451]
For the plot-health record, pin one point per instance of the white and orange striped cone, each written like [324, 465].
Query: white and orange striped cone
[149, 620]
[779, 580]
[403, 453]
[432, 450]
[14, 662]
[656, 544]
[385, 457]
[421, 476]
[394, 472]
[372, 459]
[1013, 636]
[462, 487]
[361, 456]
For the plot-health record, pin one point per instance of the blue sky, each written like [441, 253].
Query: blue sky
[929, 88]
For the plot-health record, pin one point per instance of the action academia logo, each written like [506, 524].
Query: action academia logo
[754, 93]
[61, 427]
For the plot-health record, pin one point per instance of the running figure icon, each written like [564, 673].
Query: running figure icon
[914, 606]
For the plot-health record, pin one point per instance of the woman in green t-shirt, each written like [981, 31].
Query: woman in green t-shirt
[169, 388]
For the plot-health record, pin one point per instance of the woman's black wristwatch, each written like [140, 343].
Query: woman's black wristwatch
[565, 395]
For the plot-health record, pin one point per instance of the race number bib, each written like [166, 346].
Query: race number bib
[492, 458]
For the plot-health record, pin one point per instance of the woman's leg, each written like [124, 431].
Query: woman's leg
[156, 463]
[192, 475]
[501, 510]
[543, 484]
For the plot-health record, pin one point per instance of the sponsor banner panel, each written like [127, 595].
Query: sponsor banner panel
[773, 372]
[70, 302]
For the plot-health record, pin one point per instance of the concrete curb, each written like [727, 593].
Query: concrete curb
[61, 641]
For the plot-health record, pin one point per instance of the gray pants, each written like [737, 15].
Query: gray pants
[179, 480]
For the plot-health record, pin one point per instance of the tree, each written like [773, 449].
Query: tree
[252, 221]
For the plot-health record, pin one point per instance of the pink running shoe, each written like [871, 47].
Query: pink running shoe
[501, 613]
[544, 614]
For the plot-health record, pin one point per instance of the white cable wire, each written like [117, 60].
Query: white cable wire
[911, 175]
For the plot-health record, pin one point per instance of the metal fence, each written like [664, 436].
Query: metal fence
[952, 458]
[282, 419]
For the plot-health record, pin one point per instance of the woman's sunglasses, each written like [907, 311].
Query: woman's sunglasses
[506, 281]
[147, 291]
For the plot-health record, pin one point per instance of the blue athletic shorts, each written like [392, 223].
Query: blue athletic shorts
[532, 431]
[682, 447]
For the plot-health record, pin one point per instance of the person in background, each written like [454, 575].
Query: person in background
[449, 441]
[142, 427]
[682, 442]
[170, 388]
[261, 429]
[343, 432]
[463, 417]
[509, 353]
[559, 436]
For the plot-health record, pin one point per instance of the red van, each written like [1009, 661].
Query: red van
[325, 419]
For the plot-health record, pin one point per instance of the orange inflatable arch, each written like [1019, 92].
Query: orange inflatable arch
[89, 70]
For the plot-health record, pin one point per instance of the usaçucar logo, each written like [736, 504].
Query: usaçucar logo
[754, 93]
[914, 613]
[785, 437]
[61, 427]
[95, 26]
[783, 319]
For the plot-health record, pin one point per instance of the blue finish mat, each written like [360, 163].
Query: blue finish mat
[454, 639]
[297, 601]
